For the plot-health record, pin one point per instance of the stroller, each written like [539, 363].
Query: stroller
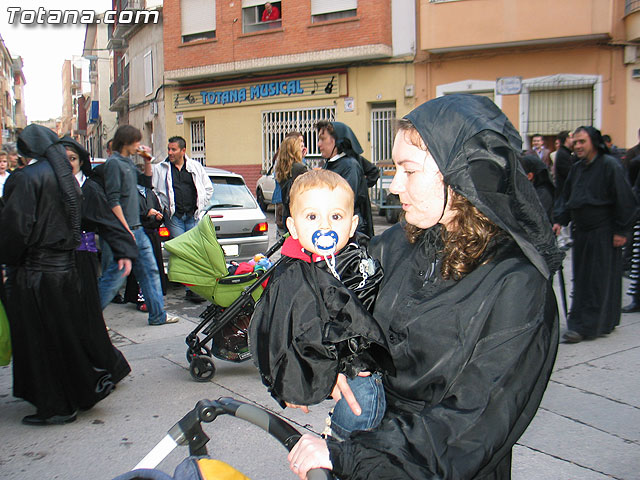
[188, 431]
[197, 260]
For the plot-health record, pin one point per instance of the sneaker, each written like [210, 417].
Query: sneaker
[118, 299]
[170, 319]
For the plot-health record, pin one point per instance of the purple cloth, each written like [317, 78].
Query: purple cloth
[88, 242]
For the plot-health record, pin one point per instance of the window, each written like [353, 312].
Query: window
[551, 111]
[252, 12]
[148, 73]
[323, 10]
[277, 123]
[559, 102]
[198, 19]
[382, 125]
[485, 88]
[198, 151]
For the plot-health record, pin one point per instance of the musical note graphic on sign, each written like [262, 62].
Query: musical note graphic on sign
[176, 101]
[190, 98]
[329, 87]
[315, 87]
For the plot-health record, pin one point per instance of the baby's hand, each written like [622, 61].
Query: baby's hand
[304, 408]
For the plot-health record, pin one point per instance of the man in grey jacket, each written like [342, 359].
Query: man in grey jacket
[121, 179]
[184, 190]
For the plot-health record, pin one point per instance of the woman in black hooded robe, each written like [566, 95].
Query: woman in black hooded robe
[466, 303]
[41, 226]
[97, 218]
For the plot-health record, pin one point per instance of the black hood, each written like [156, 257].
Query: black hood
[85, 159]
[346, 140]
[541, 177]
[477, 151]
[41, 143]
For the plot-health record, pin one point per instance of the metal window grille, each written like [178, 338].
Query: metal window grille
[382, 120]
[198, 151]
[277, 123]
[554, 110]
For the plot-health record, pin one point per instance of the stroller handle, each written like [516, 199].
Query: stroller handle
[189, 430]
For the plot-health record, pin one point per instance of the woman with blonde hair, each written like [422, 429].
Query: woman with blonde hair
[288, 167]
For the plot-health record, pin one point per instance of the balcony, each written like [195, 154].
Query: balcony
[119, 91]
[632, 20]
[122, 28]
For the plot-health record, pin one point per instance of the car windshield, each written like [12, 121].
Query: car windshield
[230, 192]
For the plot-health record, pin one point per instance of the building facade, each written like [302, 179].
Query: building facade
[101, 122]
[549, 65]
[137, 90]
[236, 85]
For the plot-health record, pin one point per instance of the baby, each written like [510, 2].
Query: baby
[313, 321]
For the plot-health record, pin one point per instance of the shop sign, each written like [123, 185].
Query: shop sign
[509, 85]
[321, 86]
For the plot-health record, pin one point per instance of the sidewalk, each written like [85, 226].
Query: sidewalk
[587, 428]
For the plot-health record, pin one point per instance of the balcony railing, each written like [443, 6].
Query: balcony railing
[120, 86]
[631, 6]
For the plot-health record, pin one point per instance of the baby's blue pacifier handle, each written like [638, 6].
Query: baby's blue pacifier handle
[325, 241]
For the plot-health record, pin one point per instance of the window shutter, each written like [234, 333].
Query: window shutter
[148, 73]
[198, 16]
[320, 7]
[551, 111]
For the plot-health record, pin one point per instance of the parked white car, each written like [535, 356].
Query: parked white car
[264, 190]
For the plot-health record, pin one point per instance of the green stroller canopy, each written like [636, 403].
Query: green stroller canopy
[197, 258]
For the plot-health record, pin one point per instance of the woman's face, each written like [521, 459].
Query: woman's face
[3, 165]
[419, 184]
[74, 160]
[303, 148]
[326, 144]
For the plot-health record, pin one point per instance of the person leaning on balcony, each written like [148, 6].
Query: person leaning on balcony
[184, 190]
[270, 13]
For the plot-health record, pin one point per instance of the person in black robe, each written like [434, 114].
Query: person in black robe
[340, 147]
[597, 198]
[326, 327]
[538, 173]
[97, 218]
[41, 227]
[466, 303]
[152, 217]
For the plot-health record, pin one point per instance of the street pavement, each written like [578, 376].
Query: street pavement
[587, 428]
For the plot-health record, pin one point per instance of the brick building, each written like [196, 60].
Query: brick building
[236, 85]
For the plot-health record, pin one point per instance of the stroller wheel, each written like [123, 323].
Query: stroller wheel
[202, 368]
[194, 352]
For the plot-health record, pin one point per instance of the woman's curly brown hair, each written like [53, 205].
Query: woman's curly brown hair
[467, 244]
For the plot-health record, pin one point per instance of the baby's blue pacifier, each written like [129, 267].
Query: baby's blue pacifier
[325, 242]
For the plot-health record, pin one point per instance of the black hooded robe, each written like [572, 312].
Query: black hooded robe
[40, 222]
[472, 356]
[598, 199]
[300, 341]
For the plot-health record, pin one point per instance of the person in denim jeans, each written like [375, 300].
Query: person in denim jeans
[121, 178]
[322, 249]
[184, 190]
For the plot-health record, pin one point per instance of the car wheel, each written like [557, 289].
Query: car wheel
[261, 201]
